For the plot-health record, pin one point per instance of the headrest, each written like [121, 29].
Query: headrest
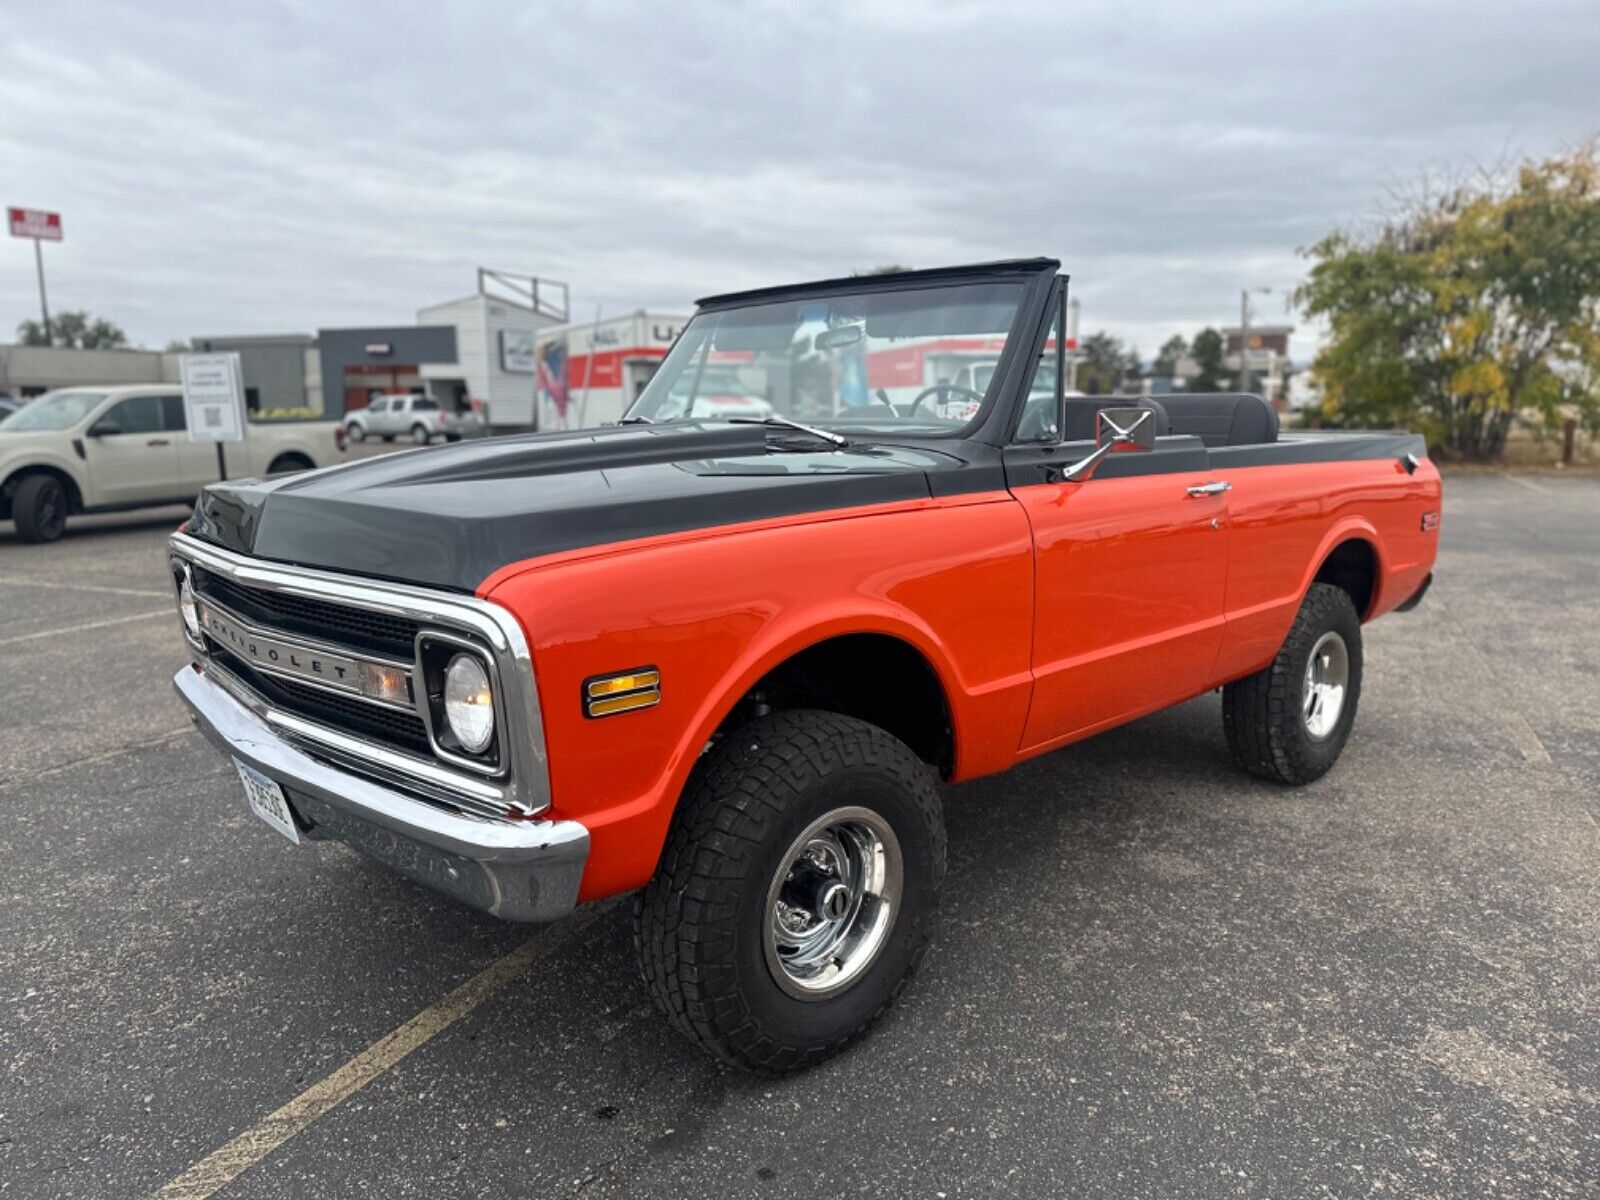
[1223, 419]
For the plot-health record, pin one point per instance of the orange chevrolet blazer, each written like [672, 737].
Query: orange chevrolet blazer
[723, 661]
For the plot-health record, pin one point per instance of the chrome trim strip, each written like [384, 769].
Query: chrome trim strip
[311, 647]
[451, 786]
[521, 870]
[495, 626]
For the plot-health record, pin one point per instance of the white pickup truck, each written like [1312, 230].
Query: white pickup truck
[86, 450]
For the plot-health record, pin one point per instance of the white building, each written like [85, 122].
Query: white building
[495, 369]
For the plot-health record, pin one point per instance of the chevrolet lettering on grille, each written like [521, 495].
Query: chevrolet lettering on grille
[278, 656]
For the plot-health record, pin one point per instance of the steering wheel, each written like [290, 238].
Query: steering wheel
[944, 391]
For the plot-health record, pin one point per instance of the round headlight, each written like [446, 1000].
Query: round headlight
[190, 610]
[469, 702]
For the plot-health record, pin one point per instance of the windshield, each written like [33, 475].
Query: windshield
[52, 411]
[900, 358]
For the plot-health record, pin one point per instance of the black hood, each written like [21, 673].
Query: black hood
[452, 515]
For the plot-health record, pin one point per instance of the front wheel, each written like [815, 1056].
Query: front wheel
[1289, 722]
[797, 890]
[39, 508]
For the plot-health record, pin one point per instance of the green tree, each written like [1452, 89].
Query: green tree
[75, 331]
[1174, 348]
[1101, 364]
[1467, 310]
[1208, 354]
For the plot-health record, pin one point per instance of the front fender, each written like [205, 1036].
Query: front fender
[715, 614]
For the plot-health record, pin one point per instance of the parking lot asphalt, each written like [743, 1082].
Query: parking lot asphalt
[1155, 976]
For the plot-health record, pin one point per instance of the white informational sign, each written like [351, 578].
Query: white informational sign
[213, 397]
[516, 351]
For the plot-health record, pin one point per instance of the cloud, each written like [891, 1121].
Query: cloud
[289, 166]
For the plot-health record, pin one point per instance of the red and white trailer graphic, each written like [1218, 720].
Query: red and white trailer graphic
[588, 374]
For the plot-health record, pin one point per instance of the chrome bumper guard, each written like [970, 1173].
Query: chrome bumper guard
[517, 869]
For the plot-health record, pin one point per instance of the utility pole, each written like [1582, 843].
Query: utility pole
[44, 305]
[1244, 339]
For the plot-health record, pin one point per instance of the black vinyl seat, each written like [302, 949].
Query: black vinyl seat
[1224, 419]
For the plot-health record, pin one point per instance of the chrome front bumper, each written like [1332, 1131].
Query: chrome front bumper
[521, 870]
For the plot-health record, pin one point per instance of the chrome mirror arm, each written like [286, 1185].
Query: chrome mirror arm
[1085, 466]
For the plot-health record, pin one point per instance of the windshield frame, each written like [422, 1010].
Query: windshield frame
[1013, 367]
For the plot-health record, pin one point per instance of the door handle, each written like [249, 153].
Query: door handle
[158, 442]
[1209, 489]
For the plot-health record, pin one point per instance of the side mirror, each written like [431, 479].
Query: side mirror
[104, 427]
[1115, 430]
[1125, 429]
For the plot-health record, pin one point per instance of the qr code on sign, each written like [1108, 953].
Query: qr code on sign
[213, 418]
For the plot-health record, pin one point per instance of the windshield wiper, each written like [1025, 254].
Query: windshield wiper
[777, 422]
[639, 419]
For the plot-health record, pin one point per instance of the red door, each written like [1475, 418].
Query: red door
[1130, 574]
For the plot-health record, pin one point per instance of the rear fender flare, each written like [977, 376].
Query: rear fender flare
[1345, 530]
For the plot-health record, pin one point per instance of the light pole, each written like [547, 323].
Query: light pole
[1244, 335]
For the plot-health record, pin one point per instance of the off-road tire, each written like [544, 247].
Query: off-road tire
[698, 924]
[39, 508]
[1263, 714]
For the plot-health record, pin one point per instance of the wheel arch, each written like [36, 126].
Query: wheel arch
[14, 477]
[1350, 558]
[297, 459]
[628, 839]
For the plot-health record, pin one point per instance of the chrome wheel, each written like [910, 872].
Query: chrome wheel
[833, 902]
[1327, 680]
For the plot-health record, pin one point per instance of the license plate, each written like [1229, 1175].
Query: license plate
[267, 802]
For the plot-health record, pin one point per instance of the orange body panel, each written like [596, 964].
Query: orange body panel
[1284, 521]
[716, 610]
[1131, 576]
[1047, 616]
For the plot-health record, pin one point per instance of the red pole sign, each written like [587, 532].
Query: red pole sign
[35, 223]
[42, 227]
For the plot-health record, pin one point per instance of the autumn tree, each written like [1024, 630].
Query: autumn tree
[1467, 308]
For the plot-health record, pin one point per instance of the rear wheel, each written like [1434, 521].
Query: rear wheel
[420, 434]
[797, 890]
[357, 432]
[40, 508]
[1289, 722]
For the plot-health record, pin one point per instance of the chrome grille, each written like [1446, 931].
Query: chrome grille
[359, 628]
[289, 640]
[403, 731]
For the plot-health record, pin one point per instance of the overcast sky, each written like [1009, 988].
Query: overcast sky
[252, 168]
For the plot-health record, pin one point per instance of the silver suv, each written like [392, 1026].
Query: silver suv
[417, 417]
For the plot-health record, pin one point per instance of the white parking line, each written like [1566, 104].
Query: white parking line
[1527, 483]
[225, 1164]
[85, 627]
[13, 581]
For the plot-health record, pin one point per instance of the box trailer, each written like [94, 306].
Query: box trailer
[588, 374]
